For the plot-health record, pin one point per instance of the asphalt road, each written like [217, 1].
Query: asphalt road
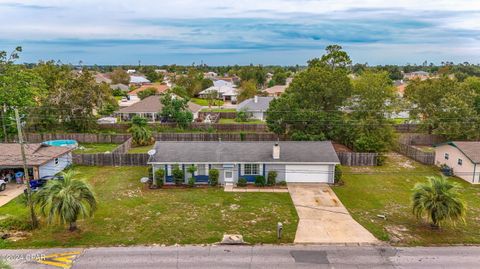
[248, 257]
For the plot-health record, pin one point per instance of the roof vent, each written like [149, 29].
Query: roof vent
[255, 99]
[276, 151]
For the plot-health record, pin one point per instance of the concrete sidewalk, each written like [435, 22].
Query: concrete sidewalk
[323, 219]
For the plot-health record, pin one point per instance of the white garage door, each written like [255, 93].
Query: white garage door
[306, 173]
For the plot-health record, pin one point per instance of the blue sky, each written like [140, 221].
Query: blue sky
[284, 32]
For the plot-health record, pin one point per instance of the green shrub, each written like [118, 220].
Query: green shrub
[213, 177]
[271, 178]
[150, 173]
[191, 182]
[178, 175]
[259, 181]
[282, 183]
[381, 159]
[242, 136]
[160, 177]
[242, 182]
[338, 174]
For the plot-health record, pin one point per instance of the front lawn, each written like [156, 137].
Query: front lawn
[131, 214]
[84, 148]
[204, 102]
[386, 190]
[233, 121]
[142, 149]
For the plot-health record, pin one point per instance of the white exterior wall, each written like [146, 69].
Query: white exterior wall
[321, 173]
[257, 115]
[464, 171]
[51, 169]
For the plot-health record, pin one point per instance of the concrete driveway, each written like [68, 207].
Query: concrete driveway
[323, 218]
[13, 190]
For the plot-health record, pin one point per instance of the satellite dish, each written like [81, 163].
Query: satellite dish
[144, 179]
[151, 152]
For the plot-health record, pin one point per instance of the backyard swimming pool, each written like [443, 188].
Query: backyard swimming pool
[62, 143]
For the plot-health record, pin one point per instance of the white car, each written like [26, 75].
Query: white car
[3, 185]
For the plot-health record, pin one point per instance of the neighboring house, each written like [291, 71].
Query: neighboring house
[226, 93]
[42, 160]
[276, 90]
[150, 108]
[160, 88]
[256, 107]
[293, 161]
[102, 78]
[223, 83]
[400, 85]
[139, 80]
[462, 156]
[422, 75]
[131, 71]
[210, 75]
[119, 86]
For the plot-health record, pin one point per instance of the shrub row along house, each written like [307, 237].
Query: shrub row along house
[293, 161]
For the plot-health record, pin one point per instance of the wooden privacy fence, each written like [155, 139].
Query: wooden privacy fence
[123, 148]
[416, 154]
[420, 139]
[79, 137]
[109, 159]
[357, 158]
[241, 127]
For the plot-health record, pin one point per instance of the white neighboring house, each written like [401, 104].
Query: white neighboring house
[131, 71]
[462, 156]
[256, 107]
[210, 75]
[226, 93]
[42, 159]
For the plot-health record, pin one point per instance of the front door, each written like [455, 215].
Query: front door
[228, 175]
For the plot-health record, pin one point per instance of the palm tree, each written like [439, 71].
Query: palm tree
[438, 200]
[67, 200]
[141, 133]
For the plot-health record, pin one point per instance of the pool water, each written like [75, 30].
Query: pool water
[62, 143]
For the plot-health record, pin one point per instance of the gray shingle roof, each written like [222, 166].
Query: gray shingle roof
[471, 149]
[250, 105]
[231, 152]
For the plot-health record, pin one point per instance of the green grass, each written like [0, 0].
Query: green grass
[129, 214]
[204, 102]
[143, 149]
[232, 121]
[369, 192]
[94, 148]
[219, 110]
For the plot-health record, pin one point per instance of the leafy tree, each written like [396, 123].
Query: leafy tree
[334, 58]
[67, 200]
[159, 178]
[438, 200]
[242, 116]
[373, 99]
[176, 110]
[426, 100]
[248, 89]
[256, 73]
[141, 134]
[212, 97]
[280, 78]
[120, 76]
[193, 82]
[310, 108]
[152, 75]
[147, 92]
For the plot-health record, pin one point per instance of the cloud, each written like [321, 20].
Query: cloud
[287, 30]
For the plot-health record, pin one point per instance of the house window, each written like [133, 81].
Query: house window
[169, 170]
[55, 161]
[446, 156]
[202, 170]
[460, 161]
[251, 169]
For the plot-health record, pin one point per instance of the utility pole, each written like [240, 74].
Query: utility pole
[25, 171]
[4, 114]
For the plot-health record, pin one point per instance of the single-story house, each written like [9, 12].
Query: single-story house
[422, 75]
[256, 107]
[42, 160]
[150, 108]
[160, 88]
[139, 80]
[294, 161]
[276, 90]
[462, 156]
[226, 93]
[102, 78]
